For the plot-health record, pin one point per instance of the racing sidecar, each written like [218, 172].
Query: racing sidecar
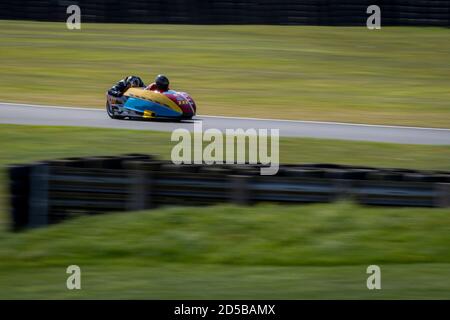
[139, 103]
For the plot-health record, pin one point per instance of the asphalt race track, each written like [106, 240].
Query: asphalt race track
[65, 116]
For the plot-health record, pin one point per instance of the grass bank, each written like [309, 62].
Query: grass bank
[271, 252]
[396, 75]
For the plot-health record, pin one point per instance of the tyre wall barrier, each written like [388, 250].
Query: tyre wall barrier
[47, 192]
[286, 12]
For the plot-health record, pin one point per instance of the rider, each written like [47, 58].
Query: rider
[161, 84]
[123, 85]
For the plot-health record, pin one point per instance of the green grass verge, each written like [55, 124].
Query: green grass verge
[314, 251]
[22, 143]
[191, 281]
[396, 75]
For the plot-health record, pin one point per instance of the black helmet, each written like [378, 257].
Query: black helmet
[162, 82]
[133, 81]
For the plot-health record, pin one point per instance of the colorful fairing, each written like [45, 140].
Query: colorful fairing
[141, 103]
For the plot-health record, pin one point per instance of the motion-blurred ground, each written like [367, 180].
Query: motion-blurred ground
[395, 75]
[265, 252]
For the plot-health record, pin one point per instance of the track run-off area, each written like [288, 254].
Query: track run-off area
[27, 114]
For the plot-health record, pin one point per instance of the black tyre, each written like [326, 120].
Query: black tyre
[110, 112]
[185, 118]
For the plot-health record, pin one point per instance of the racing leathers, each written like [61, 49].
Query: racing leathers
[123, 85]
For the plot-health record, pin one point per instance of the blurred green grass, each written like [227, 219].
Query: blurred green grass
[192, 281]
[396, 75]
[319, 234]
[267, 252]
[23, 143]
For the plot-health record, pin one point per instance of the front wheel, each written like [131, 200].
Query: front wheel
[110, 112]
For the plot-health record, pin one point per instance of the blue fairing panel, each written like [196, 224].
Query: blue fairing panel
[142, 105]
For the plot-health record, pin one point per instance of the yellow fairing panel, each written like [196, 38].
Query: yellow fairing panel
[152, 96]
